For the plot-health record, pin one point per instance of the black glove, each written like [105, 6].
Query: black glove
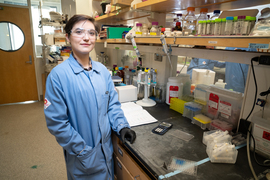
[129, 134]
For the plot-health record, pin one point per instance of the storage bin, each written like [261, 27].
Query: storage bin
[177, 105]
[202, 121]
[191, 109]
[200, 94]
[224, 104]
[220, 125]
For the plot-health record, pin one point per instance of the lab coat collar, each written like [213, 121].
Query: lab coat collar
[77, 68]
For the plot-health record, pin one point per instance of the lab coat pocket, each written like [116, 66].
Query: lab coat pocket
[91, 162]
[105, 101]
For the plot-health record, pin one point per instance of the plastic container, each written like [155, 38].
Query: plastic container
[208, 27]
[168, 32]
[246, 26]
[202, 121]
[138, 30]
[182, 165]
[236, 25]
[203, 76]
[145, 30]
[200, 94]
[199, 28]
[216, 14]
[217, 29]
[178, 105]
[252, 24]
[221, 125]
[121, 73]
[225, 153]
[220, 83]
[154, 31]
[241, 20]
[209, 135]
[204, 28]
[189, 22]
[191, 109]
[224, 104]
[222, 27]
[174, 89]
[262, 27]
[161, 93]
[229, 26]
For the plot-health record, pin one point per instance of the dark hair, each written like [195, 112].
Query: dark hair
[77, 18]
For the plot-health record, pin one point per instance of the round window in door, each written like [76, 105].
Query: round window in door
[12, 37]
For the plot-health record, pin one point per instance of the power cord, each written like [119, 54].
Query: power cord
[248, 129]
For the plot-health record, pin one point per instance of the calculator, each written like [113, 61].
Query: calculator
[162, 128]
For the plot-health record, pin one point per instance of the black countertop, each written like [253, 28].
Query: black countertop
[154, 150]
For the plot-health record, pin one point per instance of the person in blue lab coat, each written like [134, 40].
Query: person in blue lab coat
[198, 63]
[81, 106]
[236, 73]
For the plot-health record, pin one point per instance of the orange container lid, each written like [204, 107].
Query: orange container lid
[126, 66]
[204, 10]
[191, 9]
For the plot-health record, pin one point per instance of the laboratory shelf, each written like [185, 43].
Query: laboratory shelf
[167, 6]
[123, 14]
[225, 41]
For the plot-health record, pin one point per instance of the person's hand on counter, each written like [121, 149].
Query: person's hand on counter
[127, 134]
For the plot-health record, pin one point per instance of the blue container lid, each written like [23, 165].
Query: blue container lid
[217, 11]
[133, 70]
[120, 68]
[229, 18]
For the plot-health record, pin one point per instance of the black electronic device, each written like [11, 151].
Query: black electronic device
[162, 128]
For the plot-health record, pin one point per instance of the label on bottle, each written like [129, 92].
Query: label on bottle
[138, 33]
[173, 92]
[153, 33]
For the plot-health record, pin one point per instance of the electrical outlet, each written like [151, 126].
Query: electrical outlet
[260, 102]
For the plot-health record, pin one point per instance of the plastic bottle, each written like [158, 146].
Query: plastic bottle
[215, 15]
[115, 71]
[189, 22]
[202, 16]
[241, 20]
[121, 73]
[229, 25]
[246, 25]
[127, 76]
[180, 19]
[217, 27]
[154, 31]
[252, 23]
[204, 27]
[133, 73]
[220, 83]
[174, 89]
[138, 30]
[145, 30]
[213, 27]
[208, 27]
[222, 28]
[199, 28]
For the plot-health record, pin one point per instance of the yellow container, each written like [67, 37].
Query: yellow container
[177, 105]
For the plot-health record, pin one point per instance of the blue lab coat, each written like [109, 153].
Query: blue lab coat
[197, 63]
[81, 107]
[236, 73]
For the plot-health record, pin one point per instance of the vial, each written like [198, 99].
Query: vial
[229, 25]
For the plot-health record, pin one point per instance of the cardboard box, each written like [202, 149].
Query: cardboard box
[126, 93]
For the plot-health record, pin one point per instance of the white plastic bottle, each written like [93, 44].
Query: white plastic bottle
[145, 30]
[174, 89]
[220, 83]
[138, 31]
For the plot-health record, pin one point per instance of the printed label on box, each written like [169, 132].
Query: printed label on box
[213, 101]
[262, 138]
[225, 107]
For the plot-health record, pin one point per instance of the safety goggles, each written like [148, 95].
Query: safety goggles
[81, 32]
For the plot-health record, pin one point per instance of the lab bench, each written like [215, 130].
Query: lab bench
[149, 155]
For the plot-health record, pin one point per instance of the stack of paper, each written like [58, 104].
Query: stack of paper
[136, 115]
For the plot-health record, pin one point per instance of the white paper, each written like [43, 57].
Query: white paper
[136, 115]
